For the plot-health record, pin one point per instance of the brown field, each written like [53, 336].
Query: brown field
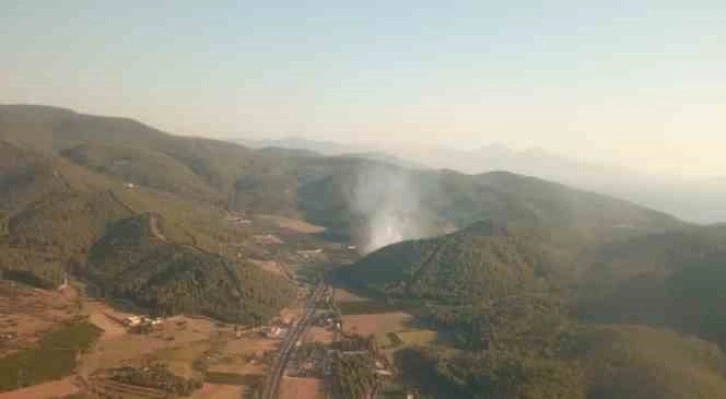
[244, 356]
[343, 295]
[27, 313]
[296, 225]
[270, 266]
[417, 337]
[218, 391]
[175, 333]
[53, 389]
[180, 358]
[375, 324]
[178, 342]
[301, 388]
[106, 318]
[319, 334]
[250, 346]
[193, 339]
[238, 365]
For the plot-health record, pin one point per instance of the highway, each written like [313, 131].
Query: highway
[272, 388]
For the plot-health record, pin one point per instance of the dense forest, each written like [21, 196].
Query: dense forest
[73, 206]
[533, 311]
[130, 262]
[305, 184]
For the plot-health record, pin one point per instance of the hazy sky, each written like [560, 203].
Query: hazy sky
[641, 83]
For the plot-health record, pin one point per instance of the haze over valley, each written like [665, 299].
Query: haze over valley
[695, 198]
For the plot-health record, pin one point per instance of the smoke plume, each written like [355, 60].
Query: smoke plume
[386, 205]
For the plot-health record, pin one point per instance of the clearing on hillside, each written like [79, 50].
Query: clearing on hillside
[374, 324]
[342, 295]
[296, 225]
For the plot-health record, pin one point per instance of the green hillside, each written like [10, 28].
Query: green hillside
[143, 167]
[642, 362]
[26, 177]
[446, 198]
[671, 279]
[663, 279]
[200, 168]
[59, 217]
[628, 362]
[482, 262]
[134, 262]
[536, 311]
[321, 189]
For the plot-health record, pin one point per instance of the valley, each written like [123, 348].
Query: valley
[154, 265]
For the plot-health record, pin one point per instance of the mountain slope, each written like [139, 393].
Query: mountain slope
[143, 167]
[345, 194]
[134, 261]
[667, 279]
[526, 307]
[325, 190]
[670, 279]
[128, 149]
[485, 261]
[628, 362]
[59, 217]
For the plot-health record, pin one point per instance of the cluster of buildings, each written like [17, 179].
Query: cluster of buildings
[329, 320]
[267, 239]
[238, 219]
[276, 332]
[309, 253]
[8, 336]
[138, 321]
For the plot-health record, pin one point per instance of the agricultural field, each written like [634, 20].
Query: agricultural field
[417, 337]
[295, 225]
[54, 356]
[106, 318]
[218, 391]
[27, 313]
[301, 388]
[376, 324]
[319, 334]
[249, 385]
[88, 337]
[271, 266]
[343, 295]
[392, 330]
[174, 340]
[48, 390]
[365, 307]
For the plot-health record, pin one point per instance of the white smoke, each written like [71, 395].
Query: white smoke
[386, 205]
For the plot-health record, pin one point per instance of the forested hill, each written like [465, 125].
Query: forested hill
[541, 312]
[323, 190]
[136, 262]
[480, 264]
[66, 177]
[61, 218]
[667, 278]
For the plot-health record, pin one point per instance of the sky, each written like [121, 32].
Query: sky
[637, 83]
